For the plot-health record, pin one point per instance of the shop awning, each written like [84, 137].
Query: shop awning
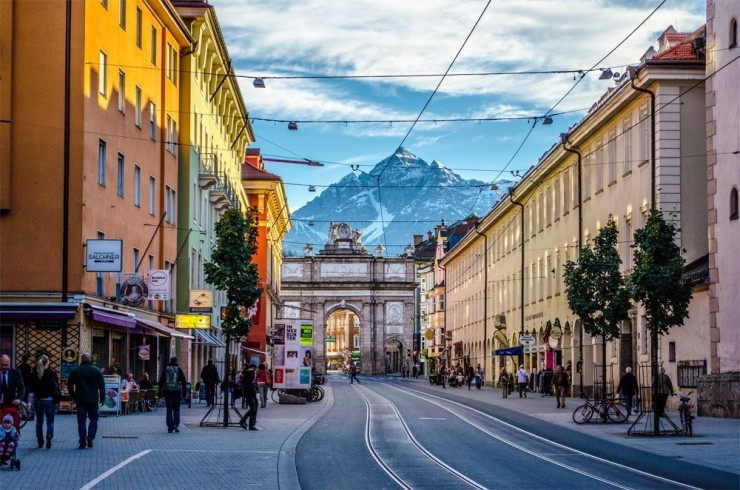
[113, 317]
[208, 338]
[38, 311]
[509, 351]
[163, 329]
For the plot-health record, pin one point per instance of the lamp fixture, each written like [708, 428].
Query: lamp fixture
[606, 74]
[547, 120]
[258, 83]
[310, 223]
[293, 126]
[311, 188]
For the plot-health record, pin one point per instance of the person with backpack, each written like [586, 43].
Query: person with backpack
[172, 385]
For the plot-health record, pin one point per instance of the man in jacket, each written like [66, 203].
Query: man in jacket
[172, 386]
[522, 378]
[209, 375]
[12, 388]
[663, 388]
[628, 388]
[249, 391]
[562, 383]
[86, 387]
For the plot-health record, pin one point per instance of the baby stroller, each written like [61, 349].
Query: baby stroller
[9, 437]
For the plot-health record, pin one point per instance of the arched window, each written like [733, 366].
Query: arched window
[733, 204]
[733, 33]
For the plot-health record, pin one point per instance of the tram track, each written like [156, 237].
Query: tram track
[401, 456]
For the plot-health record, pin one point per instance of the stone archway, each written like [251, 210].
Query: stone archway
[344, 276]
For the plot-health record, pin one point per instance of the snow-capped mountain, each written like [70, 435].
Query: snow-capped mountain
[403, 192]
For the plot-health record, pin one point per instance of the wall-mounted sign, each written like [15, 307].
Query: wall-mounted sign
[103, 255]
[134, 291]
[159, 284]
[331, 338]
[429, 334]
[201, 300]
[526, 340]
[192, 321]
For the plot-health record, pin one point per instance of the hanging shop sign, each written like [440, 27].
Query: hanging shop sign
[526, 340]
[144, 352]
[192, 321]
[159, 284]
[134, 291]
[103, 255]
[201, 300]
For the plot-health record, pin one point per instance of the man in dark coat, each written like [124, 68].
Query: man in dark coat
[173, 392]
[86, 387]
[12, 388]
[209, 375]
[628, 388]
[249, 392]
[27, 373]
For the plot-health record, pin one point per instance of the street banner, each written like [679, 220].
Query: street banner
[292, 353]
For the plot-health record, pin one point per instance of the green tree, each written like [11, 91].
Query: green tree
[597, 291]
[658, 282]
[231, 270]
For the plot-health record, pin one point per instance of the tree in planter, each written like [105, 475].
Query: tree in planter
[658, 282]
[231, 270]
[597, 291]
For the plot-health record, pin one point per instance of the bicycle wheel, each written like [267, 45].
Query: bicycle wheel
[583, 414]
[275, 395]
[25, 413]
[617, 412]
[317, 394]
[686, 422]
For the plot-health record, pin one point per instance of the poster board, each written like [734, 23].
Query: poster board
[292, 353]
[112, 403]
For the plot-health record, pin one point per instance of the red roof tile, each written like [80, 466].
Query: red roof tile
[251, 173]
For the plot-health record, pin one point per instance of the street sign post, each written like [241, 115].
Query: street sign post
[526, 340]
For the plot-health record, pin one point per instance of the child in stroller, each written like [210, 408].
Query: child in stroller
[10, 435]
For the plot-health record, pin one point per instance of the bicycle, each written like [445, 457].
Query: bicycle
[606, 408]
[684, 412]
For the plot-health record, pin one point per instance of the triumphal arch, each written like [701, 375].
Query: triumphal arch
[361, 303]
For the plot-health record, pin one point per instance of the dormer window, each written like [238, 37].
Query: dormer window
[733, 33]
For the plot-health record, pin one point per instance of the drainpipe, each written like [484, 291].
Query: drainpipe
[485, 295]
[67, 116]
[653, 334]
[521, 274]
[564, 139]
[447, 349]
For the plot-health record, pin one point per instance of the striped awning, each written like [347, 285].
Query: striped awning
[163, 329]
[208, 338]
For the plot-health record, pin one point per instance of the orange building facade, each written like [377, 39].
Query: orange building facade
[266, 193]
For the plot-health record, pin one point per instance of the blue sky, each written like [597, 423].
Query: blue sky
[388, 38]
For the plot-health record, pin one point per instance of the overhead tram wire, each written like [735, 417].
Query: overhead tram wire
[413, 125]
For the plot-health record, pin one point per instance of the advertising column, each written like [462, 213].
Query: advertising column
[293, 355]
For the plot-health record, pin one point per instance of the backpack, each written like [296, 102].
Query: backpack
[171, 379]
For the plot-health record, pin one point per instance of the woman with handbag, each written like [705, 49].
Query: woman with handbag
[46, 395]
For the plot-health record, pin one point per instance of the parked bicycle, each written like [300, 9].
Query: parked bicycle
[684, 412]
[314, 394]
[606, 409]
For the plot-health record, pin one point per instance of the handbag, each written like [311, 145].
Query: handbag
[57, 395]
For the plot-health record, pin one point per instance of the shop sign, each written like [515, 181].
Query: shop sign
[201, 300]
[134, 291]
[331, 338]
[192, 321]
[103, 255]
[159, 284]
[526, 340]
[143, 352]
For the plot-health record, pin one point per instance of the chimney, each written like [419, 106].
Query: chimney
[429, 235]
[418, 239]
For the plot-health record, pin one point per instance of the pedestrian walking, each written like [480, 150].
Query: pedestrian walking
[561, 382]
[663, 388]
[353, 373]
[479, 376]
[470, 375]
[442, 375]
[172, 385]
[503, 382]
[629, 388]
[522, 377]
[249, 392]
[87, 388]
[12, 388]
[27, 374]
[210, 377]
[44, 382]
[263, 382]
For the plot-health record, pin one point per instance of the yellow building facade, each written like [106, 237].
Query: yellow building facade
[602, 168]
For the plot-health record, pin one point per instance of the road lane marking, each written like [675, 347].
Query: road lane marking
[115, 468]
